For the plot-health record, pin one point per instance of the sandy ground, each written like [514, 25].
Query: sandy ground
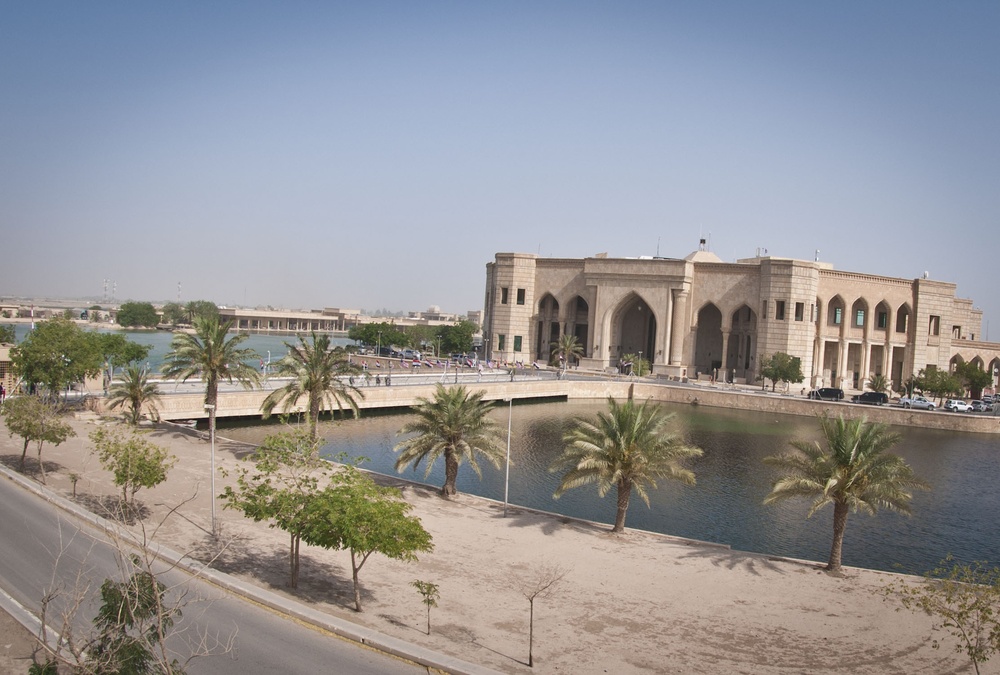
[636, 602]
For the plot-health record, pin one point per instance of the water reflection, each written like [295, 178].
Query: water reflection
[956, 516]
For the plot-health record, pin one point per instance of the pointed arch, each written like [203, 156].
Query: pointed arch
[708, 354]
[578, 321]
[742, 341]
[903, 320]
[633, 328]
[547, 326]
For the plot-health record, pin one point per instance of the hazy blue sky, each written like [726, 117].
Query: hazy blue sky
[371, 154]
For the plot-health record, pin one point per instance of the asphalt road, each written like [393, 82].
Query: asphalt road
[40, 546]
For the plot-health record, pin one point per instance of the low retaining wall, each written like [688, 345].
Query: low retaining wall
[247, 403]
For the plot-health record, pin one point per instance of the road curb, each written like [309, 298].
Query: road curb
[345, 629]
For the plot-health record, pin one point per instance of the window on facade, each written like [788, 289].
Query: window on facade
[501, 342]
[520, 296]
[902, 321]
[934, 325]
[800, 310]
[763, 309]
[956, 332]
[883, 319]
[779, 310]
[812, 313]
[859, 318]
[517, 343]
[503, 295]
[838, 315]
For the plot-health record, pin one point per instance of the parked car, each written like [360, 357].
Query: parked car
[957, 405]
[871, 398]
[827, 394]
[980, 406]
[918, 402]
[988, 399]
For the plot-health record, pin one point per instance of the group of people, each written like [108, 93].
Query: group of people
[378, 379]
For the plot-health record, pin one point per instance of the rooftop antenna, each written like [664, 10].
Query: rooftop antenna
[657, 247]
[816, 259]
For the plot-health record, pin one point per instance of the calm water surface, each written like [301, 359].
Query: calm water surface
[957, 516]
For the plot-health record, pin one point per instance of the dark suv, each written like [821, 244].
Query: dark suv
[827, 394]
[871, 398]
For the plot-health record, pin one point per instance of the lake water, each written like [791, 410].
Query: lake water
[264, 345]
[958, 516]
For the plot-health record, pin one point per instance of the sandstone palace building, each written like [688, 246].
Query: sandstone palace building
[700, 316]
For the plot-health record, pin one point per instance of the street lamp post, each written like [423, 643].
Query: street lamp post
[209, 407]
[378, 346]
[506, 480]
[640, 363]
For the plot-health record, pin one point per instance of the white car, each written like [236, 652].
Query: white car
[957, 405]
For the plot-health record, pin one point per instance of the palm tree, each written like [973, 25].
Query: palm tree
[878, 383]
[135, 391]
[853, 472]
[316, 373]
[628, 447]
[565, 348]
[454, 424]
[210, 355]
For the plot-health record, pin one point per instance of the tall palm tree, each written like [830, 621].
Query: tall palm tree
[454, 424]
[210, 354]
[315, 373]
[629, 447]
[853, 472]
[134, 391]
[565, 348]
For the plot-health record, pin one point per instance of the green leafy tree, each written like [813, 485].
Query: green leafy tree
[316, 373]
[357, 515]
[204, 309]
[781, 367]
[374, 334]
[33, 419]
[629, 447]
[454, 424]
[964, 599]
[286, 476]
[131, 623]
[639, 366]
[173, 313]
[853, 472]
[135, 391]
[429, 595]
[138, 315]
[213, 356]
[567, 348]
[457, 339]
[938, 383]
[419, 336]
[135, 462]
[7, 335]
[973, 377]
[56, 354]
[117, 351]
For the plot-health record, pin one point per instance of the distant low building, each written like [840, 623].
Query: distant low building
[702, 317]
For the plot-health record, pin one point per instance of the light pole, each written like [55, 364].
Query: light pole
[210, 408]
[640, 364]
[506, 480]
[378, 346]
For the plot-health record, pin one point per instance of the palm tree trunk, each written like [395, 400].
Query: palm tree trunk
[313, 417]
[839, 526]
[624, 494]
[450, 474]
